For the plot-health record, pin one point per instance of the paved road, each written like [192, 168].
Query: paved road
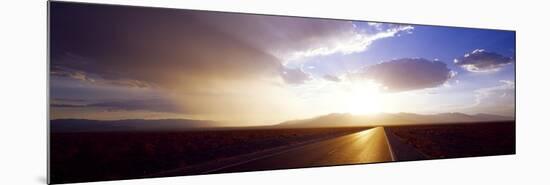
[367, 146]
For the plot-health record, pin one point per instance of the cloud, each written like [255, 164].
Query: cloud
[506, 89]
[499, 99]
[73, 74]
[96, 79]
[352, 42]
[190, 56]
[167, 47]
[409, 74]
[331, 78]
[153, 105]
[292, 38]
[480, 60]
[376, 25]
[294, 76]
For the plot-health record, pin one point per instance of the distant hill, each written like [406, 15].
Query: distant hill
[343, 119]
[329, 120]
[84, 125]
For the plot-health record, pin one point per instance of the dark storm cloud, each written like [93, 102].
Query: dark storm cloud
[186, 56]
[480, 60]
[151, 45]
[95, 79]
[74, 74]
[181, 48]
[331, 78]
[409, 74]
[153, 105]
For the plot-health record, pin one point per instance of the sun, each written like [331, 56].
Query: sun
[364, 98]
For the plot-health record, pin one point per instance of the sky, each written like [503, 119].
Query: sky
[117, 62]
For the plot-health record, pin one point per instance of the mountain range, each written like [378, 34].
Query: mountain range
[329, 120]
[345, 119]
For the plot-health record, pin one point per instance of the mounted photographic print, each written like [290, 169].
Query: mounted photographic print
[138, 92]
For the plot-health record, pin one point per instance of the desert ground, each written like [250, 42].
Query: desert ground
[94, 156]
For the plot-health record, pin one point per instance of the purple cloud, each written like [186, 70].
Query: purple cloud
[480, 60]
[409, 74]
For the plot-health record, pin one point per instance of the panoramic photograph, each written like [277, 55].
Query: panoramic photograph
[138, 92]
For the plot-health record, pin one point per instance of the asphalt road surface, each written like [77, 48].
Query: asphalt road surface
[369, 146]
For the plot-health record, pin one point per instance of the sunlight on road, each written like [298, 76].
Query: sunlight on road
[364, 134]
[372, 146]
[369, 146]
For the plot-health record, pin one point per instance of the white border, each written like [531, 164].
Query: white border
[23, 91]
